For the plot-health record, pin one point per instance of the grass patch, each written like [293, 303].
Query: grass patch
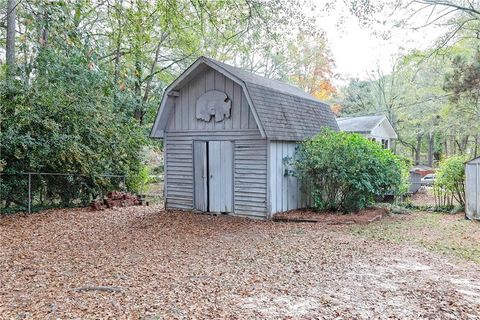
[447, 234]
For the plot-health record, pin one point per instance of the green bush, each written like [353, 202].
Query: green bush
[140, 181]
[65, 121]
[450, 177]
[345, 171]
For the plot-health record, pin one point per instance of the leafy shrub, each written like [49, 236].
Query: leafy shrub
[345, 171]
[139, 182]
[450, 177]
[65, 121]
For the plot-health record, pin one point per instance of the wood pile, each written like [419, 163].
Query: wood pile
[118, 199]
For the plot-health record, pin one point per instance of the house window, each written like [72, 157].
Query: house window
[385, 143]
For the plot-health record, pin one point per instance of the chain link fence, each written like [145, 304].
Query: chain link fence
[33, 191]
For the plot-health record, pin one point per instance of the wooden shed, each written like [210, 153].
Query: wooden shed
[226, 132]
[472, 189]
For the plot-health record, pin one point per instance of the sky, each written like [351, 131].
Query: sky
[358, 52]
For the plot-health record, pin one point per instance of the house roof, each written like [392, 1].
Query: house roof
[282, 111]
[364, 124]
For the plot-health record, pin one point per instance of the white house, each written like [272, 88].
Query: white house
[376, 128]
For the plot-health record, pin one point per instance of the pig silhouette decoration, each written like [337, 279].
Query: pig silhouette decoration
[213, 104]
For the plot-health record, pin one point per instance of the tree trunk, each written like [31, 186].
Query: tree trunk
[152, 69]
[116, 72]
[417, 149]
[445, 146]
[10, 45]
[43, 37]
[118, 44]
[430, 148]
[138, 113]
[465, 143]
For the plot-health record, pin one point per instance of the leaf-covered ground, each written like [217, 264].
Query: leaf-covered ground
[150, 264]
[444, 233]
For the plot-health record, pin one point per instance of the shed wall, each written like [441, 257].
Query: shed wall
[285, 190]
[183, 116]
[472, 190]
[250, 169]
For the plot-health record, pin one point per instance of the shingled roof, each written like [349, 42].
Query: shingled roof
[283, 111]
[364, 124]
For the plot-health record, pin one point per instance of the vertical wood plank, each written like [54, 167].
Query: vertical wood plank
[292, 185]
[171, 120]
[221, 176]
[212, 145]
[245, 110]
[178, 113]
[229, 93]
[185, 107]
[209, 85]
[201, 89]
[477, 189]
[228, 176]
[285, 179]
[220, 86]
[191, 106]
[273, 176]
[200, 182]
[279, 185]
[236, 105]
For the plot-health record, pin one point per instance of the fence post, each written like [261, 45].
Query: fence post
[29, 192]
[124, 184]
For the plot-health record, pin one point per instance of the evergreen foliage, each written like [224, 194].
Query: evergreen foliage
[346, 172]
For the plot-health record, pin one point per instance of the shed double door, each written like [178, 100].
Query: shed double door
[213, 170]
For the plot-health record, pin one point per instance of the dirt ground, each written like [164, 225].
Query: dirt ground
[149, 264]
[363, 217]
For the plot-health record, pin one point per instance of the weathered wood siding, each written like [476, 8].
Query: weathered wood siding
[183, 116]
[220, 154]
[178, 171]
[472, 189]
[250, 191]
[250, 169]
[285, 190]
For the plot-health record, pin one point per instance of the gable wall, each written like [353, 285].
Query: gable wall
[381, 132]
[183, 118]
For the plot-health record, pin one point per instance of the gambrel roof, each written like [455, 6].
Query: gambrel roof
[282, 111]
